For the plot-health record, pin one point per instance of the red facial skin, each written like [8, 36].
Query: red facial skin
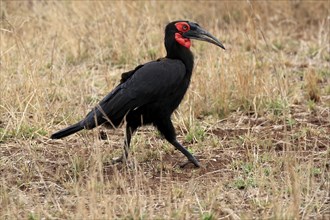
[182, 27]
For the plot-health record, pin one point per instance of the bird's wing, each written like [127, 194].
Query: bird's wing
[146, 84]
[125, 76]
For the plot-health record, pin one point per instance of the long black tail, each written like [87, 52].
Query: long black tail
[67, 131]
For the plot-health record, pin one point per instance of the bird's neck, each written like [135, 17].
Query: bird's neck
[176, 51]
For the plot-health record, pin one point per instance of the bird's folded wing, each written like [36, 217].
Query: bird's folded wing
[146, 84]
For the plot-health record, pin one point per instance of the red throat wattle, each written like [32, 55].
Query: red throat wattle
[183, 41]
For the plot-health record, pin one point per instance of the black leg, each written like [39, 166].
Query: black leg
[167, 129]
[128, 135]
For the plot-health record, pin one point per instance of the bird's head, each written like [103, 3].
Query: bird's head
[184, 31]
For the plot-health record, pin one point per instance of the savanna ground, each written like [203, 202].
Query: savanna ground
[257, 115]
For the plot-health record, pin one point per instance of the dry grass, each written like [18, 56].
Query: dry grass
[256, 115]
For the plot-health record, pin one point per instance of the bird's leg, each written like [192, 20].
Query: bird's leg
[190, 157]
[128, 135]
[167, 129]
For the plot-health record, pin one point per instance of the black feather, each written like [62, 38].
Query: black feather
[67, 131]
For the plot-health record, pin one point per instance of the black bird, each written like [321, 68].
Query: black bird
[151, 92]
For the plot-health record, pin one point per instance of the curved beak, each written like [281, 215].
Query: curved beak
[199, 33]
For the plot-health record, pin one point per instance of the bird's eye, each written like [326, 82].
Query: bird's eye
[182, 26]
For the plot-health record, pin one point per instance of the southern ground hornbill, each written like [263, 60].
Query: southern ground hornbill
[151, 92]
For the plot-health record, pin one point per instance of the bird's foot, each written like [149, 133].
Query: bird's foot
[191, 160]
[118, 159]
[122, 159]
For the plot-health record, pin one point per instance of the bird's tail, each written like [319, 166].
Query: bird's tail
[67, 131]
